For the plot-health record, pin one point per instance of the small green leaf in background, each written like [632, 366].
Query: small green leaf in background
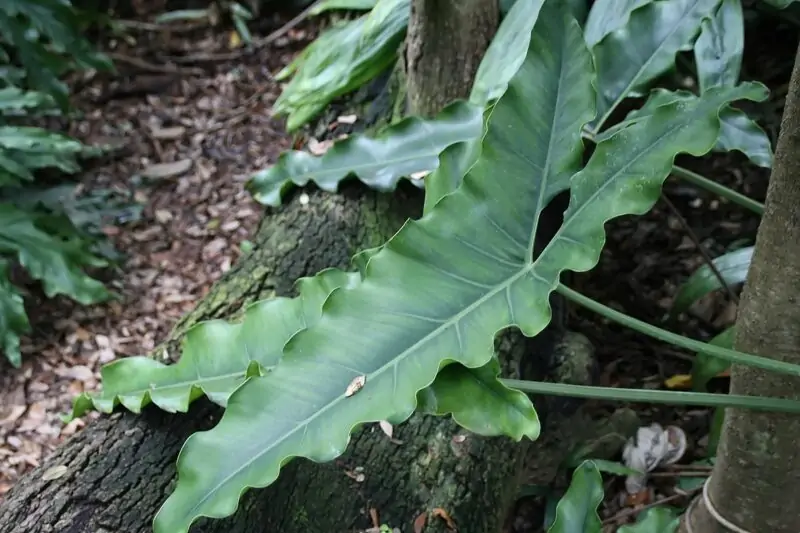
[661, 519]
[614, 467]
[27, 25]
[455, 383]
[400, 150]
[57, 262]
[715, 432]
[607, 16]
[13, 320]
[732, 266]
[344, 5]
[718, 54]
[719, 48]
[182, 14]
[342, 59]
[627, 61]
[705, 367]
[737, 130]
[689, 484]
[577, 510]
[24, 149]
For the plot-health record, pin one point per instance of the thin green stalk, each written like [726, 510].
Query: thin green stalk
[764, 363]
[756, 403]
[721, 190]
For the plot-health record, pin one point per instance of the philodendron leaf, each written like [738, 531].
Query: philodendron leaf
[13, 320]
[576, 511]
[216, 356]
[443, 286]
[737, 132]
[343, 58]
[719, 48]
[606, 16]
[412, 145]
[659, 519]
[732, 266]
[437, 291]
[467, 392]
[500, 63]
[705, 367]
[631, 57]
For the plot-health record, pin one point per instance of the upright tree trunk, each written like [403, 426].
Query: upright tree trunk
[756, 479]
[445, 43]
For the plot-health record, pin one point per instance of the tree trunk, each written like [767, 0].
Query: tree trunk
[755, 480]
[115, 473]
[445, 43]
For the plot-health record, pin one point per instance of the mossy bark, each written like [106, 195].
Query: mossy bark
[755, 480]
[445, 43]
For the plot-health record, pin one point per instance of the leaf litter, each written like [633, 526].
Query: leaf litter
[189, 139]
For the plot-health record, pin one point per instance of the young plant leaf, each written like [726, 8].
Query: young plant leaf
[443, 286]
[13, 320]
[439, 290]
[576, 511]
[352, 5]
[732, 266]
[719, 48]
[631, 57]
[412, 145]
[659, 519]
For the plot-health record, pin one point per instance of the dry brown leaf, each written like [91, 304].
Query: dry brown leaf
[419, 522]
[171, 133]
[167, 170]
[54, 473]
[319, 148]
[444, 515]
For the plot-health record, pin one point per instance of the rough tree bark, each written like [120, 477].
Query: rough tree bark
[445, 43]
[755, 480]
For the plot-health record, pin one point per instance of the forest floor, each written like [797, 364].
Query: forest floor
[192, 115]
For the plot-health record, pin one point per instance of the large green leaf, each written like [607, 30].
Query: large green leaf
[216, 356]
[631, 57]
[443, 286]
[13, 320]
[732, 267]
[412, 145]
[342, 59]
[500, 63]
[576, 511]
[719, 48]
[607, 16]
[54, 260]
[737, 132]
